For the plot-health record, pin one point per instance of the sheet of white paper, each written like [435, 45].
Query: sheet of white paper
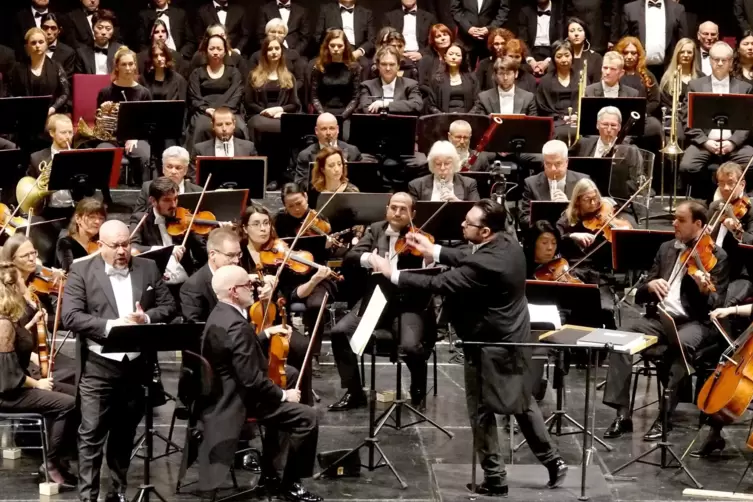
[370, 318]
[545, 313]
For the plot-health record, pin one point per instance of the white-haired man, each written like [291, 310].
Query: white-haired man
[555, 183]
[708, 35]
[175, 160]
[460, 135]
[444, 183]
[608, 123]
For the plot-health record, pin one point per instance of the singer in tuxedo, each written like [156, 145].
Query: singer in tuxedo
[231, 15]
[474, 19]
[112, 289]
[414, 23]
[175, 160]
[356, 21]
[181, 37]
[295, 17]
[63, 54]
[78, 30]
[96, 57]
[27, 18]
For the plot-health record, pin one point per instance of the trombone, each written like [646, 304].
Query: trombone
[671, 148]
[582, 82]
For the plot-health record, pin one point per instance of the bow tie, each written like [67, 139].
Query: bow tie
[162, 12]
[545, 13]
[391, 233]
[101, 50]
[654, 4]
[39, 14]
[704, 54]
[114, 272]
[411, 11]
[283, 5]
[52, 48]
[680, 246]
[160, 220]
[219, 8]
[347, 9]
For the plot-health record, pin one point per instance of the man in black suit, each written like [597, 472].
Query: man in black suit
[175, 160]
[355, 20]
[612, 70]
[97, 57]
[61, 53]
[181, 36]
[241, 388]
[398, 95]
[659, 26]
[110, 290]
[475, 18]
[327, 131]
[27, 18]
[60, 128]
[505, 97]
[689, 305]
[486, 290]
[460, 135]
[409, 319]
[230, 15]
[555, 183]
[743, 10]
[294, 16]
[79, 29]
[444, 183]
[608, 123]
[539, 27]
[707, 146]
[225, 143]
[414, 23]
[707, 36]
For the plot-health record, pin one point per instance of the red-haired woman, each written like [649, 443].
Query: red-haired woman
[440, 39]
[495, 42]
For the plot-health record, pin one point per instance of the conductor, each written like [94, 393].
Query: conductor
[486, 288]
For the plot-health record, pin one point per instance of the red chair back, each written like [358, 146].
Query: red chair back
[85, 90]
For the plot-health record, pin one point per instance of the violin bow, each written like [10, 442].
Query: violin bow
[307, 357]
[28, 227]
[55, 327]
[410, 220]
[198, 204]
[15, 211]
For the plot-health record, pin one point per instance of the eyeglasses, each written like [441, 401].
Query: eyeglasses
[260, 224]
[31, 255]
[469, 224]
[238, 255]
[720, 60]
[247, 285]
[123, 245]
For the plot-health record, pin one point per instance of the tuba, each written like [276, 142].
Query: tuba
[32, 192]
[105, 123]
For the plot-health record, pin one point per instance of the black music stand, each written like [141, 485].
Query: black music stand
[26, 115]
[547, 210]
[520, 134]
[446, 225]
[590, 107]
[299, 128]
[384, 136]
[707, 110]
[635, 250]
[150, 339]
[150, 120]
[226, 205]
[598, 169]
[484, 181]
[366, 176]
[160, 256]
[83, 171]
[433, 128]
[234, 173]
[353, 208]
[13, 169]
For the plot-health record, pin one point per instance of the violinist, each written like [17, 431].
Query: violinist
[80, 239]
[542, 249]
[410, 314]
[735, 226]
[688, 298]
[444, 183]
[20, 392]
[175, 160]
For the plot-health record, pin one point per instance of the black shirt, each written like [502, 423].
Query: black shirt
[118, 94]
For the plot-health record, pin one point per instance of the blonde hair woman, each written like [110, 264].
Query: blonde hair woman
[444, 183]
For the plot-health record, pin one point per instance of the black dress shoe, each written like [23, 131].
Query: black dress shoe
[655, 432]
[349, 401]
[712, 443]
[295, 492]
[116, 497]
[620, 426]
[489, 489]
[557, 471]
[251, 462]
[268, 485]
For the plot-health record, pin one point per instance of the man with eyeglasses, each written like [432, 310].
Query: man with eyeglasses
[711, 146]
[111, 289]
[485, 287]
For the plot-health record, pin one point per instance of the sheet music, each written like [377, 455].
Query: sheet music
[368, 323]
[545, 314]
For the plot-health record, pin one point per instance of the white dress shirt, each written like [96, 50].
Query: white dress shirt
[705, 64]
[672, 303]
[720, 87]
[721, 235]
[224, 149]
[542, 27]
[348, 26]
[409, 30]
[436, 251]
[480, 4]
[174, 271]
[284, 15]
[162, 15]
[394, 235]
[602, 148]
[38, 19]
[100, 63]
[656, 30]
[89, 22]
[123, 291]
[506, 100]
[611, 92]
[60, 198]
[221, 14]
[437, 191]
[388, 92]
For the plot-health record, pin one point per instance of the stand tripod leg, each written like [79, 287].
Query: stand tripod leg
[391, 467]
[424, 418]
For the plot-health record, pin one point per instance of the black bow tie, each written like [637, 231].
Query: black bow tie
[52, 48]
[545, 13]
[39, 14]
[283, 5]
[411, 11]
[221, 8]
[161, 12]
[704, 54]
[347, 9]
[654, 4]
[101, 50]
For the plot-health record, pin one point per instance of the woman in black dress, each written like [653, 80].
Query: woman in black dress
[160, 76]
[454, 88]
[335, 77]
[557, 92]
[578, 35]
[233, 57]
[61, 53]
[211, 86]
[295, 62]
[160, 33]
[440, 39]
[82, 233]
[496, 42]
[743, 68]
[21, 393]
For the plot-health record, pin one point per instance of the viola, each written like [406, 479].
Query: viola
[604, 219]
[316, 226]
[279, 346]
[44, 354]
[741, 206]
[45, 280]
[401, 244]
[557, 270]
[257, 311]
[702, 260]
[9, 221]
[300, 262]
[204, 222]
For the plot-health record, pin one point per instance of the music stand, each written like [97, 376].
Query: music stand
[299, 128]
[635, 249]
[484, 181]
[707, 110]
[590, 107]
[445, 226]
[13, 170]
[27, 114]
[520, 134]
[366, 176]
[353, 208]
[83, 171]
[384, 136]
[547, 210]
[234, 173]
[150, 120]
[598, 169]
[226, 205]
[160, 256]
[433, 128]
[150, 339]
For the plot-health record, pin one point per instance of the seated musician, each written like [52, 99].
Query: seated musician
[557, 92]
[410, 314]
[225, 143]
[460, 135]
[390, 37]
[683, 59]
[98, 58]
[330, 173]
[153, 234]
[612, 70]
[175, 161]
[19, 392]
[707, 146]
[444, 183]
[232, 56]
[506, 98]
[688, 298]
[543, 248]
[730, 229]
[608, 123]
[327, 130]
[391, 92]
[80, 239]
[242, 388]
[555, 183]
[454, 89]
[60, 129]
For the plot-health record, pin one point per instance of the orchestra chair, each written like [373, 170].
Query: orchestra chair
[646, 366]
[10, 421]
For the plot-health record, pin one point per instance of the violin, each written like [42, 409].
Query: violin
[604, 219]
[741, 206]
[45, 279]
[10, 222]
[702, 260]
[204, 222]
[401, 244]
[316, 226]
[44, 354]
[557, 270]
[257, 311]
[279, 346]
[300, 262]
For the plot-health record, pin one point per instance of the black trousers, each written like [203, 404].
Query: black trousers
[112, 404]
[484, 427]
[58, 408]
[415, 342]
[671, 369]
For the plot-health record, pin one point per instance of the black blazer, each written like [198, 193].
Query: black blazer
[596, 90]
[487, 102]
[85, 58]
[142, 201]
[634, 24]
[440, 89]
[197, 298]
[7, 61]
[376, 238]
[584, 147]
[78, 30]
[23, 21]
[37, 158]
[363, 25]
[463, 187]
[699, 136]
[65, 56]
[536, 188]
[299, 32]
[598, 16]
[180, 30]
[52, 82]
[424, 21]
[485, 292]
[527, 19]
[236, 25]
[737, 265]
[466, 14]
[406, 101]
[308, 155]
[743, 10]
[241, 148]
